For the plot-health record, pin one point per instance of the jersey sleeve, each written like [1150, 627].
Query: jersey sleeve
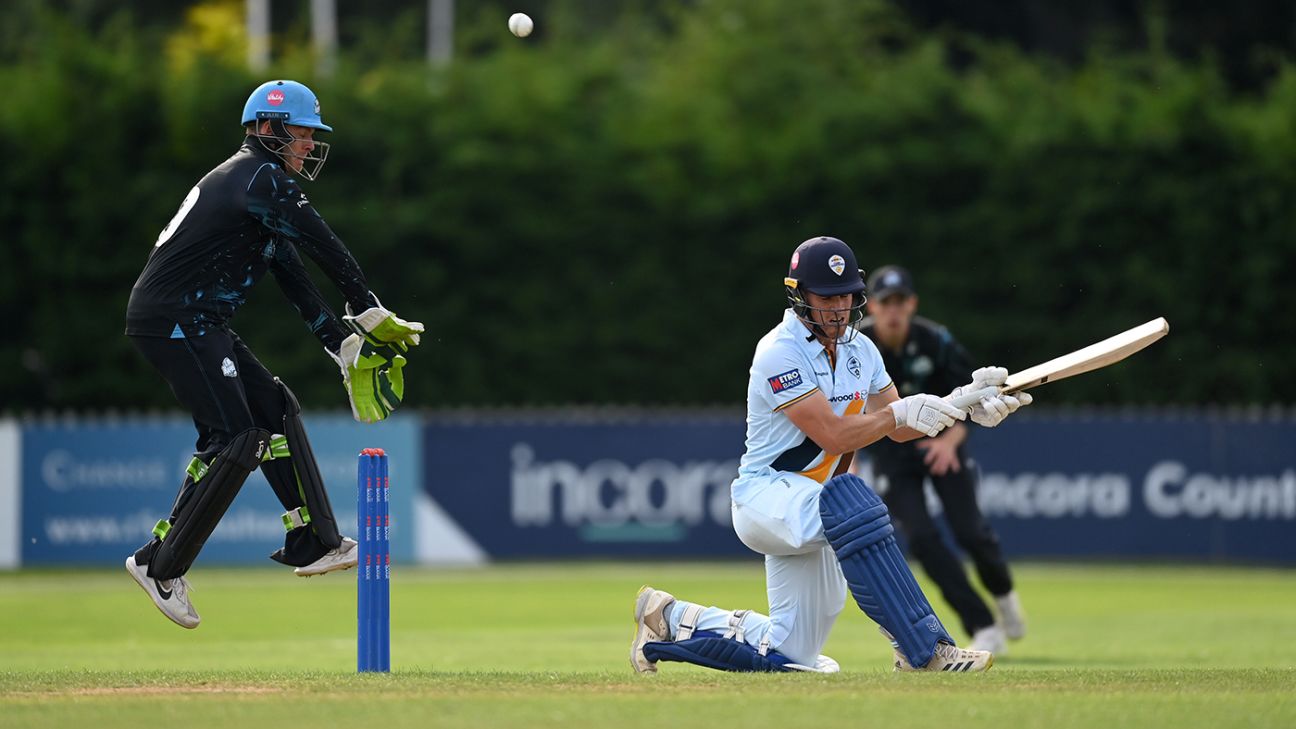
[279, 203]
[781, 377]
[880, 380]
[291, 274]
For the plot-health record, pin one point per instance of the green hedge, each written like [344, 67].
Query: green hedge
[607, 218]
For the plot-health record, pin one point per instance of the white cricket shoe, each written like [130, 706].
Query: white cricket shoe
[170, 596]
[346, 556]
[990, 638]
[1011, 615]
[949, 658]
[651, 625]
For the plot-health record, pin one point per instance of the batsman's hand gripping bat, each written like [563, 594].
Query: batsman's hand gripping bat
[1095, 356]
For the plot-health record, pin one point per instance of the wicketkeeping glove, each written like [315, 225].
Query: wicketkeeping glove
[373, 376]
[379, 326]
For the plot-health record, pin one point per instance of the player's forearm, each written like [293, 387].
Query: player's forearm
[858, 431]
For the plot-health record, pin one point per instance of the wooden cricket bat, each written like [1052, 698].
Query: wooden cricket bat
[1095, 356]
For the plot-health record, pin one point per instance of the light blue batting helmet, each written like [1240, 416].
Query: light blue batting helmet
[287, 101]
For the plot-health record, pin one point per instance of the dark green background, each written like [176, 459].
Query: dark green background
[602, 213]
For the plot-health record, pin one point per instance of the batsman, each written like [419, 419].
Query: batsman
[244, 218]
[816, 393]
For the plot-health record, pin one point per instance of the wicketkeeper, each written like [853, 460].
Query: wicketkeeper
[244, 218]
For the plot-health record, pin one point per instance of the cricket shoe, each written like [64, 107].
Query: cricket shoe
[1011, 615]
[346, 556]
[170, 596]
[949, 658]
[651, 625]
[990, 638]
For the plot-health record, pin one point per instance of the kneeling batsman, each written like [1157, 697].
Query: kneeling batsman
[816, 394]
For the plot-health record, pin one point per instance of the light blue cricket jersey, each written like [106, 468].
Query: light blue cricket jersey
[787, 369]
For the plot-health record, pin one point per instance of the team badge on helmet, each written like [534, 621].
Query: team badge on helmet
[837, 264]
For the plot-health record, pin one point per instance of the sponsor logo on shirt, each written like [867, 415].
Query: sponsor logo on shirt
[785, 380]
[857, 395]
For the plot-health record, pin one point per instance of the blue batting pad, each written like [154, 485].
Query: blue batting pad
[858, 527]
[712, 650]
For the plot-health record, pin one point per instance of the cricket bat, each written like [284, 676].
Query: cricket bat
[1095, 356]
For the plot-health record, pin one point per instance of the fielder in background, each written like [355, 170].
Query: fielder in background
[921, 356]
[817, 392]
[244, 218]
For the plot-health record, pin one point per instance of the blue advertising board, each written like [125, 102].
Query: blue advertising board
[656, 487]
[1195, 488]
[93, 489]
[1110, 486]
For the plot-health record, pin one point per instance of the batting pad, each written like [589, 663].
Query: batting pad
[858, 527]
[712, 650]
[204, 501]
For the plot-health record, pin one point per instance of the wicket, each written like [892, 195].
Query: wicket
[373, 602]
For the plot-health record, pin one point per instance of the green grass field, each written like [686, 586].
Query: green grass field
[546, 645]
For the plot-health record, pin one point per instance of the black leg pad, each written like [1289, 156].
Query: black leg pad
[211, 495]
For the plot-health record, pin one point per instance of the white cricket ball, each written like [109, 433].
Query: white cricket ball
[520, 24]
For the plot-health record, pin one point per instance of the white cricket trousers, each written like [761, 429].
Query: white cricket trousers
[778, 516]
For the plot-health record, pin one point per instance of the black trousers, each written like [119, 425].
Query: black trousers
[227, 390]
[905, 499]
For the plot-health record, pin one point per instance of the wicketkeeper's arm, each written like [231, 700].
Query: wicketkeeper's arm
[296, 283]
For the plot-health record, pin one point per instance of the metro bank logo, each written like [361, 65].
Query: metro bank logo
[785, 380]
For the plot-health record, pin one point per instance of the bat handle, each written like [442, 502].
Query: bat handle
[968, 399]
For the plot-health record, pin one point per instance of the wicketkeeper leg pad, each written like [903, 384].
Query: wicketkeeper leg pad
[203, 500]
[858, 527]
[310, 484]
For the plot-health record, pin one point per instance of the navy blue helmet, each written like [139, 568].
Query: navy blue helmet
[827, 267]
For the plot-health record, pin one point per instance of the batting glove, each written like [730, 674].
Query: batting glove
[926, 414]
[991, 410]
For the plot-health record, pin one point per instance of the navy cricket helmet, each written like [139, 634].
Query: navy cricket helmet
[827, 267]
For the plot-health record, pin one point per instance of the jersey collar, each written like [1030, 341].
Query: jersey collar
[799, 331]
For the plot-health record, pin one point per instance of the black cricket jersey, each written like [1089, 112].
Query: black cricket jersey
[242, 219]
[930, 361]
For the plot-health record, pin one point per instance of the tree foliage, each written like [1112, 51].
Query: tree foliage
[592, 219]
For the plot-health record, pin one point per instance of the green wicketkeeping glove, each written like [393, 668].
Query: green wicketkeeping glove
[380, 326]
[374, 378]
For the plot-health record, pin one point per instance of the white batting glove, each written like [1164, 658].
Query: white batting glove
[991, 410]
[926, 414]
